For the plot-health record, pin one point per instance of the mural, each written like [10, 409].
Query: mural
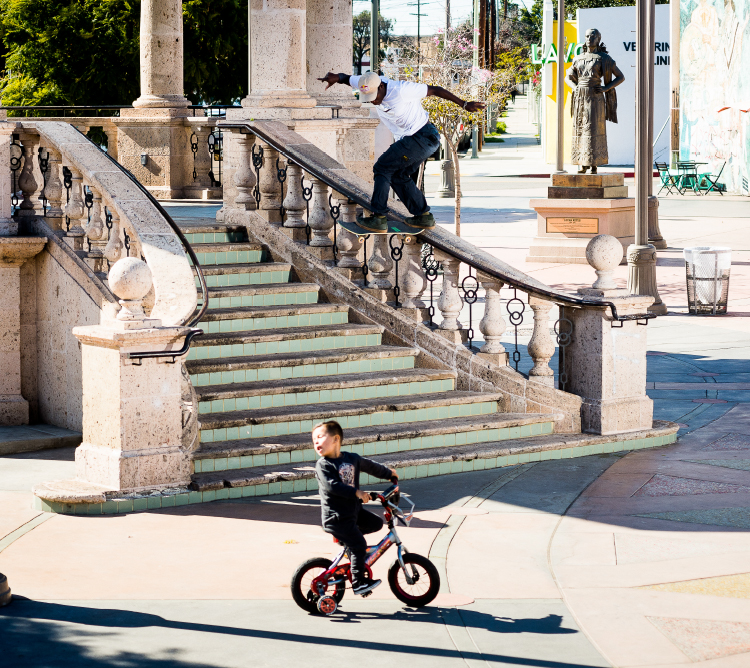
[715, 88]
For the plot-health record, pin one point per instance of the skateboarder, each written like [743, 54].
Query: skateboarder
[399, 105]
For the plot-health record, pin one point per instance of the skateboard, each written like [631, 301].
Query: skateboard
[394, 227]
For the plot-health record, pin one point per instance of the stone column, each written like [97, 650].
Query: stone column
[329, 49]
[132, 409]
[278, 59]
[14, 251]
[161, 55]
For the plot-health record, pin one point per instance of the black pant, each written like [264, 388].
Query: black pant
[350, 533]
[395, 167]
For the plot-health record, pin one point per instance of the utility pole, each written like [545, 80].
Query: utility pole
[475, 63]
[419, 16]
[374, 35]
[448, 178]
[560, 169]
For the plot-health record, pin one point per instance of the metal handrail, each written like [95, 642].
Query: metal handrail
[191, 253]
[434, 237]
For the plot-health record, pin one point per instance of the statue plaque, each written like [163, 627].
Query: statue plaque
[573, 225]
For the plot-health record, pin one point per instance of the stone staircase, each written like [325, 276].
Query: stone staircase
[276, 359]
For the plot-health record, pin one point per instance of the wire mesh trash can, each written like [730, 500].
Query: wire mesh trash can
[707, 269]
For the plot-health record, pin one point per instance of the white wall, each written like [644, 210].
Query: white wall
[617, 26]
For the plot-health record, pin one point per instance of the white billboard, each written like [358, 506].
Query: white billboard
[617, 26]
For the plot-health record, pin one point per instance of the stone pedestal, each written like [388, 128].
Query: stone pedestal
[132, 418]
[606, 364]
[159, 138]
[14, 251]
[578, 208]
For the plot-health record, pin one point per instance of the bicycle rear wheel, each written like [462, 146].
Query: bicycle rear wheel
[302, 579]
[426, 580]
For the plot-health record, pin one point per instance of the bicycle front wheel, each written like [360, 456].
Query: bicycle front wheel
[425, 580]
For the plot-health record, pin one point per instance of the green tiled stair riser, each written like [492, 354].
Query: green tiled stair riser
[377, 448]
[309, 483]
[273, 299]
[281, 347]
[250, 278]
[228, 237]
[302, 371]
[349, 421]
[325, 396]
[230, 257]
[275, 322]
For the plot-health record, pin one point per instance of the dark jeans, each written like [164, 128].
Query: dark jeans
[351, 535]
[395, 167]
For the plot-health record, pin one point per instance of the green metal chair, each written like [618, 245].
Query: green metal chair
[668, 180]
[708, 183]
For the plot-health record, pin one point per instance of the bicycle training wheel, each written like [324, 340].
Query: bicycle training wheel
[302, 579]
[426, 580]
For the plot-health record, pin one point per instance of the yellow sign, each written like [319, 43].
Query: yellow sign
[573, 225]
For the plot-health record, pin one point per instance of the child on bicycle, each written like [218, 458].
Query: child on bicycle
[341, 499]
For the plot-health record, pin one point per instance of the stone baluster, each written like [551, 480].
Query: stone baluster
[414, 281]
[541, 347]
[348, 243]
[113, 251]
[294, 203]
[26, 180]
[53, 191]
[320, 220]
[380, 263]
[244, 177]
[96, 232]
[270, 187]
[492, 324]
[449, 302]
[111, 132]
[75, 210]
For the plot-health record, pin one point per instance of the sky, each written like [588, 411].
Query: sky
[406, 24]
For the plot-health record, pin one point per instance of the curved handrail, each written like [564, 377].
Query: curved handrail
[437, 237]
[178, 232]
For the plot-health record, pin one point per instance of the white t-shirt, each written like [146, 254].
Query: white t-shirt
[401, 109]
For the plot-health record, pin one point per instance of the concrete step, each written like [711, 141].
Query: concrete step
[369, 441]
[298, 477]
[245, 318]
[230, 253]
[252, 273]
[265, 422]
[200, 233]
[272, 294]
[298, 365]
[299, 391]
[33, 437]
[284, 340]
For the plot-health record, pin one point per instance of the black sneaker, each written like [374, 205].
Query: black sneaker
[365, 587]
[376, 224]
[422, 221]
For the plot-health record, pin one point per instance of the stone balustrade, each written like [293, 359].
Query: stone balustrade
[90, 203]
[461, 293]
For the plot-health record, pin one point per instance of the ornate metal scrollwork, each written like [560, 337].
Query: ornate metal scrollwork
[397, 252]
[281, 177]
[257, 164]
[194, 149]
[335, 210]
[431, 269]
[564, 336]
[68, 183]
[44, 169]
[471, 295]
[307, 193]
[126, 241]
[215, 141]
[515, 309]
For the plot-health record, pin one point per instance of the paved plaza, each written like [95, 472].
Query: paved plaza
[623, 560]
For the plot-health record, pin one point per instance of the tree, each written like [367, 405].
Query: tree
[86, 52]
[361, 37]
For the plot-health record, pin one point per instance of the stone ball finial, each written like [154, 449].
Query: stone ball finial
[604, 253]
[130, 279]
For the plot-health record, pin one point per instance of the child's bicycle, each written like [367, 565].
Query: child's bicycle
[319, 584]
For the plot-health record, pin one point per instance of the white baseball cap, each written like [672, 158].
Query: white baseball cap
[368, 86]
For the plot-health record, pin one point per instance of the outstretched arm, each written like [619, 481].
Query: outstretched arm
[332, 78]
[439, 91]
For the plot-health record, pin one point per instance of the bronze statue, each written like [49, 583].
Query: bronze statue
[593, 103]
